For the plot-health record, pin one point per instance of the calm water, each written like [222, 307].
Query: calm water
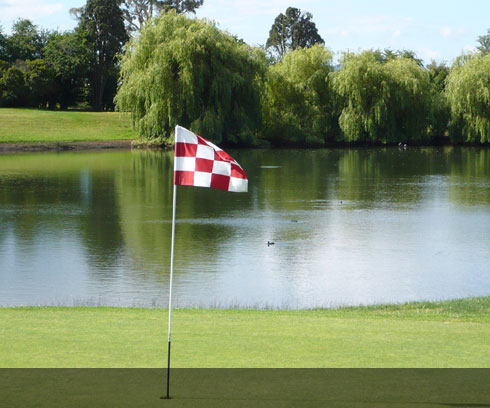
[350, 227]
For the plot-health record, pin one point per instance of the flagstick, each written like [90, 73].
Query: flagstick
[174, 207]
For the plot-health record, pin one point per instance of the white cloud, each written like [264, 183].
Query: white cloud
[446, 32]
[32, 9]
[452, 32]
[428, 54]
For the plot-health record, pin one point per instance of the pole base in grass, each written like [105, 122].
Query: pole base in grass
[168, 398]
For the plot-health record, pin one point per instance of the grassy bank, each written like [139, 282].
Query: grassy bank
[445, 334]
[33, 126]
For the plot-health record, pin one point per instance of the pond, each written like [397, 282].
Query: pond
[349, 227]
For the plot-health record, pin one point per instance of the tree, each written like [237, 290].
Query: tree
[383, 102]
[468, 93]
[138, 12]
[484, 41]
[438, 73]
[26, 42]
[410, 102]
[67, 54]
[363, 88]
[292, 30]
[180, 6]
[3, 46]
[388, 55]
[13, 90]
[4, 65]
[441, 113]
[299, 104]
[101, 24]
[40, 80]
[186, 71]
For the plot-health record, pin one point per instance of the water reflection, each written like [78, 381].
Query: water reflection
[350, 226]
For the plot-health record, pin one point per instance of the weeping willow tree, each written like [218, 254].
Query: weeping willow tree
[299, 103]
[441, 114]
[186, 71]
[363, 89]
[468, 93]
[383, 101]
[411, 102]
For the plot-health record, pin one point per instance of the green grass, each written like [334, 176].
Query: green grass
[271, 388]
[444, 334]
[32, 126]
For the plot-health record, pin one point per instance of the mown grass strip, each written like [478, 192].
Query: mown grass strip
[446, 334]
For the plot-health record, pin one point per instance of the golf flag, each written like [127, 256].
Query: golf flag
[200, 163]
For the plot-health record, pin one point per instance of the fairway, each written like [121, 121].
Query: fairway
[436, 335]
[34, 126]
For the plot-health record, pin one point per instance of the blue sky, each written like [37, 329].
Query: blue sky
[434, 29]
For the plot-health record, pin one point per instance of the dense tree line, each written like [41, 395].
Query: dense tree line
[61, 69]
[187, 71]
[78, 68]
[181, 70]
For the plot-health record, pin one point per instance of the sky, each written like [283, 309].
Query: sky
[434, 29]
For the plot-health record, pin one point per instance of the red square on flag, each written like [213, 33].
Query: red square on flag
[220, 182]
[204, 165]
[184, 178]
[185, 149]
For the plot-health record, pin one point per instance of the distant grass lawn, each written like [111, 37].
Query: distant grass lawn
[445, 334]
[31, 125]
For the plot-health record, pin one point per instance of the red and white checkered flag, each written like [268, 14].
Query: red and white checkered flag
[200, 163]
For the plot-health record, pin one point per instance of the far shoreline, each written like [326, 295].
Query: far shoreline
[81, 145]
[138, 144]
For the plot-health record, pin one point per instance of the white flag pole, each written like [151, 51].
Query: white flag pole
[174, 209]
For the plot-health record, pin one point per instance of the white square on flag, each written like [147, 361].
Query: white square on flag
[185, 163]
[202, 179]
[200, 163]
[205, 152]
